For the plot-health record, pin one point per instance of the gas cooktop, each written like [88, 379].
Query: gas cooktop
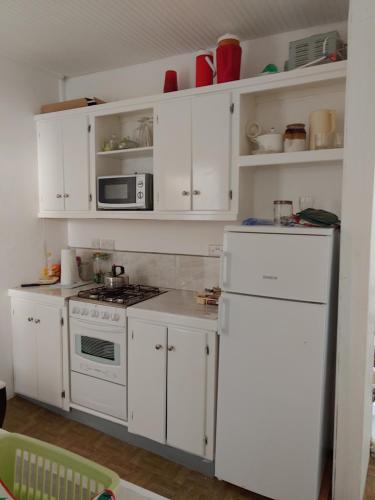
[126, 295]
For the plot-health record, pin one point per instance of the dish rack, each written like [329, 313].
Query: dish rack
[34, 470]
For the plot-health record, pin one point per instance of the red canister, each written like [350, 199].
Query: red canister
[228, 58]
[204, 68]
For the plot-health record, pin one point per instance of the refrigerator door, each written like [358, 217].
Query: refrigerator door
[287, 266]
[271, 396]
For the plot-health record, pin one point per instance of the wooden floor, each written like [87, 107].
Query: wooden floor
[133, 464]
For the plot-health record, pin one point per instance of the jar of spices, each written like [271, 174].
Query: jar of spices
[295, 137]
[282, 212]
[101, 265]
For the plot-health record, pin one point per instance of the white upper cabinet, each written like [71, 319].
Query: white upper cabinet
[192, 153]
[211, 138]
[63, 160]
[50, 164]
[75, 142]
[172, 155]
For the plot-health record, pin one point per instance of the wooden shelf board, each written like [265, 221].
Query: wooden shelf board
[122, 154]
[316, 156]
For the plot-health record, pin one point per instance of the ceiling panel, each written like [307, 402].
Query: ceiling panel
[75, 37]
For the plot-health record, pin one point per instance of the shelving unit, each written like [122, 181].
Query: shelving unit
[123, 154]
[273, 100]
[316, 156]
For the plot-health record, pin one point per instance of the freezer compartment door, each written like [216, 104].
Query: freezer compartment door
[271, 394]
[288, 266]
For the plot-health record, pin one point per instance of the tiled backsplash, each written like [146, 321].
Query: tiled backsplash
[165, 270]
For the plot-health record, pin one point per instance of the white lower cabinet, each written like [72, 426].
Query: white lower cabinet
[147, 374]
[172, 385]
[37, 351]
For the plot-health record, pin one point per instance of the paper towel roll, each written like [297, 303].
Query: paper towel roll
[69, 267]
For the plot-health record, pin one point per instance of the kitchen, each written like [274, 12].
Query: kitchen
[172, 252]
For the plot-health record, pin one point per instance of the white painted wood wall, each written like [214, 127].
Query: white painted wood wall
[357, 274]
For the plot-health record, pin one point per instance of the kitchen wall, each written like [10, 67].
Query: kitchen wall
[22, 91]
[184, 272]
[193, 238]
[147, 79]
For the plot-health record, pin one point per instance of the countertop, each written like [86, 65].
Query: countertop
[47, 293]
[177, 307]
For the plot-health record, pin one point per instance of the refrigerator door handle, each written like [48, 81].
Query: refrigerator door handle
[223, 316]
[224, 269]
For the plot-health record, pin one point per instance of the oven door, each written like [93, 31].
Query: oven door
[98, 350]
[118, 192]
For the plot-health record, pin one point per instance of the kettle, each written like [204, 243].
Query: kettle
[116, 279]
[264, 143]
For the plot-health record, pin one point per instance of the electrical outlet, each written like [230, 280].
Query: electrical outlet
[95, 243]
[107, 244]
[215, 250]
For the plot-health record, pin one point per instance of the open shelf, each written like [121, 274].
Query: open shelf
[122, 154]
[315, 156]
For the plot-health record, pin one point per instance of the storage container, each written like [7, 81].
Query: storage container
[34, 470]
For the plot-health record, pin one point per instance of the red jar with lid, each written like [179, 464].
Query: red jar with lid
[228, 58]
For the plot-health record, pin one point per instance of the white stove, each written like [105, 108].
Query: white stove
[98, 347]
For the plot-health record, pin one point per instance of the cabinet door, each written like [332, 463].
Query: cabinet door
[172, 155]
[147, 370]
[50, 165]
[186, 395]
[211, 129]
[76, 162]
[47, 321]
[24, 348]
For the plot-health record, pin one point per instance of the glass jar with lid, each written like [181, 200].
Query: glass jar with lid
[102, 264]
[282, 212]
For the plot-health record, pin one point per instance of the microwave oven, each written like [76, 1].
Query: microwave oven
[125, 192]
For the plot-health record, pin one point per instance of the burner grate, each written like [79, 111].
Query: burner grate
[126, 295]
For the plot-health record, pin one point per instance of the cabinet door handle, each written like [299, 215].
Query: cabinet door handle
[196, 192]
[30, 319]
[185, 193]
[171, 348]
[37, 321]
[66, 195]
[158, 347]
[59, 196]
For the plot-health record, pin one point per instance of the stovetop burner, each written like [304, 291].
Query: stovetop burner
[126, 295]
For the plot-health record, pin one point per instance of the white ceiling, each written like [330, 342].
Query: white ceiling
[74, 37]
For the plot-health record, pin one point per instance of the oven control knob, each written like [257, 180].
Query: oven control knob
[94, 314]
[140, 195]
[140, 184]
[83, 312]
[105, 315]
[115, 317]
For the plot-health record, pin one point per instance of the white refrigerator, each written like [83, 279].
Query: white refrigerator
[276, 363]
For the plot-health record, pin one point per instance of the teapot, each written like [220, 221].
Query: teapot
[271, 142]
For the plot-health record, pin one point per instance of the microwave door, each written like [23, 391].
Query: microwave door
[117, 192]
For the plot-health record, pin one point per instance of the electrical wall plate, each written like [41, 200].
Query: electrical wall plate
[106, 244]
[215, 250]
